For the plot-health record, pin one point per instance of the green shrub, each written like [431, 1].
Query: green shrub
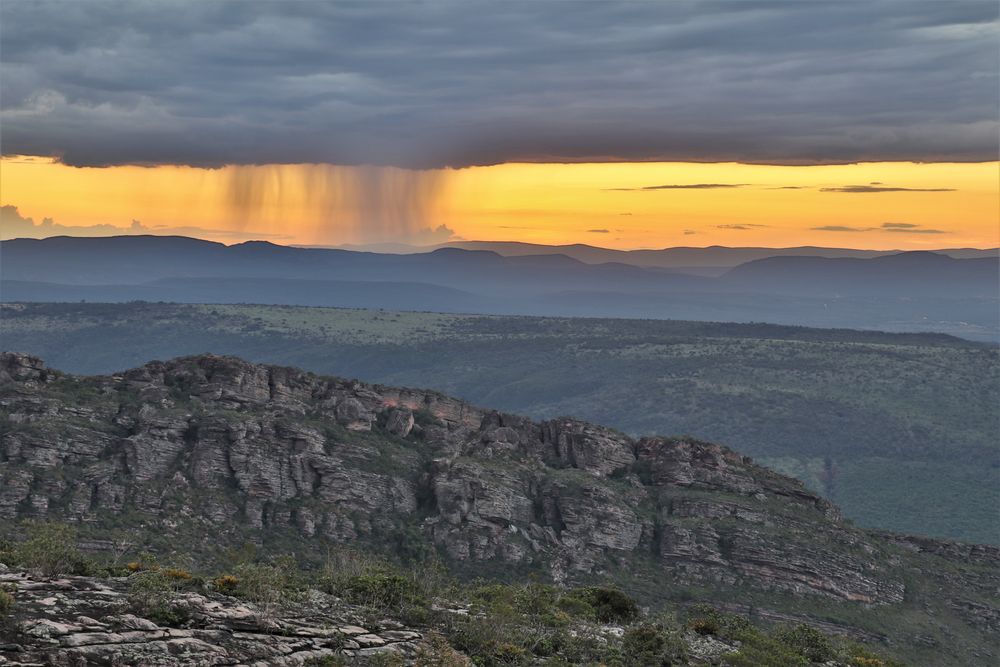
[50, 549]
[484, 640]
[384, 591]
[575, 607]
[859, 656]
[706, 620]
[267, 585]
[610, 605]
[650, 645]
[151, 594]
[385, 660]
[437, 652]
[704, 626]
[759, 650]
[807, 641]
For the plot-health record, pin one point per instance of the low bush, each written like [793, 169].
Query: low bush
[384, 591]
[610, 605]
[706, 620]
[437, 652]
[152, 594]
[807, 641]
[267, 585]
[50, 549]
[227, 583]
[651, 645]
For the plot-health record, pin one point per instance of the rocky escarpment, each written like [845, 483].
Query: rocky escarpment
[266, 447]
[216, 447]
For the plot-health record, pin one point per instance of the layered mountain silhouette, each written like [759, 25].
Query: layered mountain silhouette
[922, 291]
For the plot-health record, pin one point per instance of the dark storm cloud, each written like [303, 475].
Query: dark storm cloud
[863, 189]
[462, 83]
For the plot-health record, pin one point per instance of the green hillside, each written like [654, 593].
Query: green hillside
[901, 431]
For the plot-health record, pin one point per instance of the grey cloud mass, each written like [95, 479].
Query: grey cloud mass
[449, 83]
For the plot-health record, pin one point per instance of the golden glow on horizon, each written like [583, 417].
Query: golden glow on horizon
[542, 203]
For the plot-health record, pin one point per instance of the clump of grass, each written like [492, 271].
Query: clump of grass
[6, 603]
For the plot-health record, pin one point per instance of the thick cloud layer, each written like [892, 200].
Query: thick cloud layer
[463, 83]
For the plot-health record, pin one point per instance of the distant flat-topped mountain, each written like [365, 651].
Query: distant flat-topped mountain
[198, 454]
[913, 291]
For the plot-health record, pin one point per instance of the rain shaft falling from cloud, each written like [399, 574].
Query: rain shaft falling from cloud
[364, 204]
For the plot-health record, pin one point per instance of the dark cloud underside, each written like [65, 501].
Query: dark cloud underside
[462, 83]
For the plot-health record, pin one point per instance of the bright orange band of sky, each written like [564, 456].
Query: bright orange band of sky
[885, 205]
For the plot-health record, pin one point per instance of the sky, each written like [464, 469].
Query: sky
[865, 124]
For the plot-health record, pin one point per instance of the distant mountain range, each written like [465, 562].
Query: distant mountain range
[702, 260]
[909, 291]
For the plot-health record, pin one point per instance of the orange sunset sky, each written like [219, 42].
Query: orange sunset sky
[616, 204]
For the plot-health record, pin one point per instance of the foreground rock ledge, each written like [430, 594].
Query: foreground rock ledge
[76, 621]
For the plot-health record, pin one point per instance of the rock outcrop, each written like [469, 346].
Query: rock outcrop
[71, 621]
[215, 447]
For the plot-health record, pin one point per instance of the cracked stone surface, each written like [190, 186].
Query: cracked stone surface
[76, 621]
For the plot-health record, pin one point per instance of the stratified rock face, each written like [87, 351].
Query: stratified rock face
[227, 445]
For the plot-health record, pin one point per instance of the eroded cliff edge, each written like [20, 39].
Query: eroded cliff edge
[207, 451]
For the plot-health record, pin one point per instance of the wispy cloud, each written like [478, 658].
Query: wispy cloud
[682, 186]
[922, 230]
[895, 227]
[866, 189]
[13, 225]
[743, 226]
[842, 228]
[598, 231]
